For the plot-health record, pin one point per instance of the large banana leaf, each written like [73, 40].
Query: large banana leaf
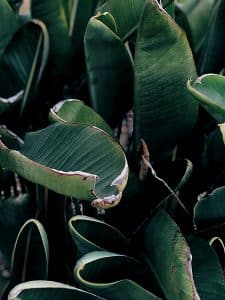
[212, 53]
[211, 209]
[164, 110]
[198, 14]
[45, 290]
[209, 90]
[52, 14]
[112, 276]
[165, 251]
[9, 24]
[75, 111]
[110, 72]
[30, 255]
[23, 62]
[90, 234]
[74, 160]
[207, 271]
[126, 14]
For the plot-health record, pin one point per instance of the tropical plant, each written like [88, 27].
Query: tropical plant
[112, 149]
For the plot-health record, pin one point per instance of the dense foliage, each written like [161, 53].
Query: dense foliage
[120, 194]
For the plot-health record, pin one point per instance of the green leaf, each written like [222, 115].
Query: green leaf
[212, 52]
[207, 272]
[211, 209]
[81, 12]
[197, 14]
[14, 211]
[52, 14]
[90, 234]
[110, 72]
[126, 14]
[209, 90]
[214, 151]
[170, 260]
[164, 110]
[75, 160]
[24, 60]
[45, 290]
[10, 139]
[9, 25]
[30, 255]
[75, 111]
[112, 276]
[11, 102]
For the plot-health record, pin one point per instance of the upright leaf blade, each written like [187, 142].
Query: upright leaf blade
[170, 260]
[164, 110]
[9, 25]
[207, 272]
[110, 72]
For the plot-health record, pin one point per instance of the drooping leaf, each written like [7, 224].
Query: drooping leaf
[112, 276]
[197, 14]
[30, 255]
[9, 25]
[126, 14]
[217, 245]
[75, 160]
[164, 110]
[209, 90]
[23, 62]
[110, 72]
[212, 53]
[211, 209]
[207, 272]
[75, 111]
[91, 234]
[46, 290]
[170, 260]
[52, 14]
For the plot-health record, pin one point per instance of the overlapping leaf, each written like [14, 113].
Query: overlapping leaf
[110, 71]
[112, 276]
[164, 110]
[74, 160]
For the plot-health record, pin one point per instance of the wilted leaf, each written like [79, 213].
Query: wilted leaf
[74, 160]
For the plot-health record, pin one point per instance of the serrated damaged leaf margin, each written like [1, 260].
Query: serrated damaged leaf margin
[17, 162]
